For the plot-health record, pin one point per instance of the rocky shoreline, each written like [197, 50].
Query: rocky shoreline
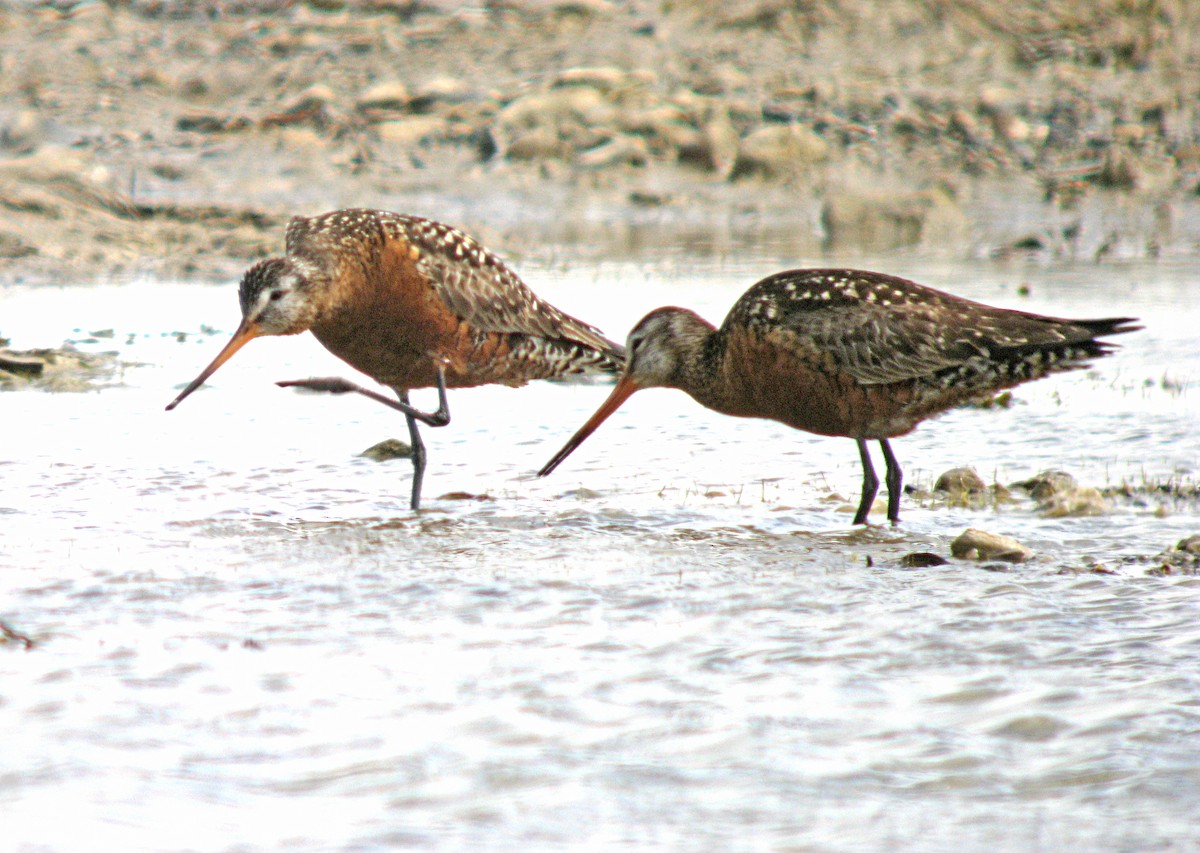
[175, 139]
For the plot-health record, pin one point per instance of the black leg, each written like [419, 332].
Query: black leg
[439, 418]
[894, 479]
[334, 385]
[418, 451]
[870, 486]
[412, 415]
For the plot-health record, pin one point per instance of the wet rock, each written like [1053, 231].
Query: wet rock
[1028, 244]
[1082, 502]
[12, 246]
[192, 88]
[1002, 495]
[318, 95]
[168, 171]
[1190, 545]
[438, 91]
[877, 220]
[962, 481]
[607, 79]
[574, 103]
[921, 560]
[541, 143]
[964, 126]
[758, 15]
[584, 8]
[1059, 495]
[21, 365]
[383, 98]
[780, 151]
[666, 128]
[23, 132]
[975, 544]
[581, 494]
[1047, 484]
[199, 122]
[413, 131]
[55, 179]
[717, 80]
[963, 487]
[555, 122]
[1011, 128]
[1183, 559]
[622, 150]
[649, 198]
[61, 369]
[388, 449]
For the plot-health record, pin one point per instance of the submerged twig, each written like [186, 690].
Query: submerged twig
[15, 636]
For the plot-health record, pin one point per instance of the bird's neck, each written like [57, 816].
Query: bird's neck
[695, 347]
[702, 372]
[322, 298]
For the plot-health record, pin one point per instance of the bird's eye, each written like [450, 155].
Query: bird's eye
[276, 295]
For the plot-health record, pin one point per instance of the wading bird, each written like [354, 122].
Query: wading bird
[411, 303]
[848, 353]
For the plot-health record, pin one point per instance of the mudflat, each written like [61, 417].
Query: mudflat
[175, 139]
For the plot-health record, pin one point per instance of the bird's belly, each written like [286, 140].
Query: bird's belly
[812, 394]
[387, 358]
[468, 359]
[396, 367]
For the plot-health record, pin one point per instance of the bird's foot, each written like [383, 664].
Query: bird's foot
[329, 384]
[335, 385]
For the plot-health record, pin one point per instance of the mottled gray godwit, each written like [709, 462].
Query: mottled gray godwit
[848, 353]
[411, 303]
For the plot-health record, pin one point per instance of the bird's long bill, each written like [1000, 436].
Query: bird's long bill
[624, 388]
[245, 333]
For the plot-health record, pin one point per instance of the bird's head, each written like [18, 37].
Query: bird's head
[278, 297]
[661, 345]
[659, 351]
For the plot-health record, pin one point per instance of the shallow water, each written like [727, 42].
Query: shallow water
[244, 639]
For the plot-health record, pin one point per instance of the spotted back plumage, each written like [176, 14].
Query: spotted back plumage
[469, 280]
[881, 329]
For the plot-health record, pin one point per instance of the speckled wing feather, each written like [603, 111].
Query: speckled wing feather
[881, 329]
[470, 280]
[482, 289]
[322, 240]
